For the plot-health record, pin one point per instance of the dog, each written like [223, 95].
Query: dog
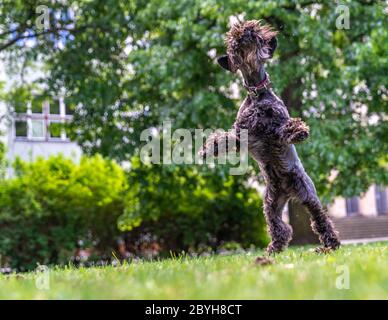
[272, 134]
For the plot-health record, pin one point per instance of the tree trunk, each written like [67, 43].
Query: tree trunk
[299, 219]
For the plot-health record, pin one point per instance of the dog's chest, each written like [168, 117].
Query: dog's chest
[261, 118]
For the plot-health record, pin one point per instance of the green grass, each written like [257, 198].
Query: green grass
[298, 273]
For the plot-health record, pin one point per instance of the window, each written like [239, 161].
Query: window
[55, 129]
[352, 206]
[44, 120]
[70, 109]
[37, 129]
[37, 104]
[381, 200]
[21, 129]
[55, 107]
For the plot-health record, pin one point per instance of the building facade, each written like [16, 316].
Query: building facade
[372, 203]
[363, 218]
[37, 129]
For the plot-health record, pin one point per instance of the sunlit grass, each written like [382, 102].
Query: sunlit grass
[298, 273]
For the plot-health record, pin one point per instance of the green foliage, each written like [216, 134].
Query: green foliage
[51, 204]
[295, 274]
[55, 129]
[128, 65]
[185, 207]
[17, 98]
[3, 160]
[154, 59]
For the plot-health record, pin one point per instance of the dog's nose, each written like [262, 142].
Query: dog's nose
[248, 37]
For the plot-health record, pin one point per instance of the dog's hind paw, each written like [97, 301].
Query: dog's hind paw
[274, 248]
[323, 250]
[264, 261]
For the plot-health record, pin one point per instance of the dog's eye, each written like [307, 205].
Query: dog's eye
[260, 41]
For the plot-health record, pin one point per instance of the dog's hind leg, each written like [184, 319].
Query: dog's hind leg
[280, 232]
[320, 221]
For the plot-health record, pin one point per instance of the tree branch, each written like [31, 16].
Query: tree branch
[6, 45]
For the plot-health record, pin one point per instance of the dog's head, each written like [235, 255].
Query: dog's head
[249, 44]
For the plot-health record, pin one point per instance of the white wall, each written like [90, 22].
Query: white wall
[2, 107]
[366, 203]
[30, 150]
[338, 208]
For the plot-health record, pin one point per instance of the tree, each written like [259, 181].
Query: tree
[126, 66]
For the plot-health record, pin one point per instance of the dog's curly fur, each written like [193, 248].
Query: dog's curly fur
[272, 134]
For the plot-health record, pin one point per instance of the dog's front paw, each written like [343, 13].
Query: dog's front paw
[208, 150]
[299, 136]
[295, 131]
[202, 153]
[213, 146]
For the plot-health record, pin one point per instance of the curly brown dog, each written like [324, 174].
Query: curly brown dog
[272, 134]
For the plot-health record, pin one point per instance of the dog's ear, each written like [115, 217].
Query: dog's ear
[272, 43]
[223, 61]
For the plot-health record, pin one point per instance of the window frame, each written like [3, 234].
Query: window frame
[381, 197]
[46, 117]
[26, 128]
[31, 129]
[62, 134]
[352, 206]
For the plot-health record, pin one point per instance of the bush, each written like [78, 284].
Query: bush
[190, 206]
[52, 204]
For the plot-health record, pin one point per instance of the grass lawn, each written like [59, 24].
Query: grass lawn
[297, 273]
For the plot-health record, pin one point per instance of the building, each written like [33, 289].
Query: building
[362, 218]
[36, 129]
